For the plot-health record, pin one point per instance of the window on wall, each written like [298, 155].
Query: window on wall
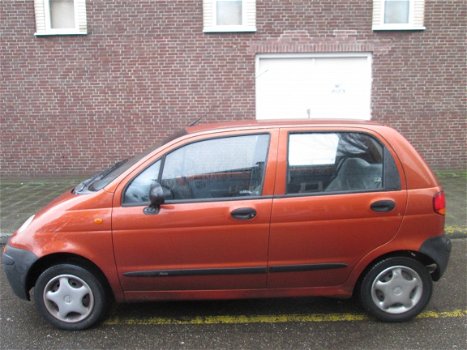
[398, 14]
[229, 16]
[62, 14]
[396, 11]
[60, 17]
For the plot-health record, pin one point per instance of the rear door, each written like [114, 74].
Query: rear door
[338, 196]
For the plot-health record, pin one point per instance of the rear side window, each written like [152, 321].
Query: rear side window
[339, 162]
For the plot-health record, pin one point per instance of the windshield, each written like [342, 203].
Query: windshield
[103, 178]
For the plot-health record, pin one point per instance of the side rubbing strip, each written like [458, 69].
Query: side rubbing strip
[196, 272]
[233, 271]
[309, 267]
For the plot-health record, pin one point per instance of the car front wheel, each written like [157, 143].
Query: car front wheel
[396, 289]
[70, 297]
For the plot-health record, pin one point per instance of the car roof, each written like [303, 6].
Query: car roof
[247, 124]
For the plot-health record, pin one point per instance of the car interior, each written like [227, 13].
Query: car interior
[358, 166]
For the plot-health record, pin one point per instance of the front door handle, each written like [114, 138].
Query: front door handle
[243, 213]
[383, 206]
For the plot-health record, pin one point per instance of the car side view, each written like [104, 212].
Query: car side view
[241, 210]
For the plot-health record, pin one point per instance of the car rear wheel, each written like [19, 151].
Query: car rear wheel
[396, 289]
[70, 297]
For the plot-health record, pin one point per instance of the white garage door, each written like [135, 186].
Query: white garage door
[318, 86]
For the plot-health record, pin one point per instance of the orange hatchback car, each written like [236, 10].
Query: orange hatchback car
[241, 210]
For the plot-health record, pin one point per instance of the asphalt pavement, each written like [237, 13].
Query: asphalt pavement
[299, 323]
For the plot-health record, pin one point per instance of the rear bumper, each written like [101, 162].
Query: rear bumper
[16, 264]
[438, 249]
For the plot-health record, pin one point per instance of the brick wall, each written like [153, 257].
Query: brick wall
[74, 104]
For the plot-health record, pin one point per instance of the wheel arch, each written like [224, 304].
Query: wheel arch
[422, 258]
[66, 258]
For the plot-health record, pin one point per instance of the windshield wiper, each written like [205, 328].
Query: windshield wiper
[84, 184]
[87, 184]
[103, 174]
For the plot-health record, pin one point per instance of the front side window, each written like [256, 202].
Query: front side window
[60, 17]
[138, 190]
[227, 167]
[338, 162]
[217, 168]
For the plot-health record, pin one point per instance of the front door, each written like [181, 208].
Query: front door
[212, 232]
[338, 197]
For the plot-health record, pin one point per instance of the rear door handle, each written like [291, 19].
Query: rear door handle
[243, 213]
[383, 206]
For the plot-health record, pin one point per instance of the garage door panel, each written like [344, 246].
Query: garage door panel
[276, 82]
[314, 87]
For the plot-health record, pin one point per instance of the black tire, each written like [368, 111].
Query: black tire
[396, 289]
[79, 297]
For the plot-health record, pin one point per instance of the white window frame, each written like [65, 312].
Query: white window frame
[44, 20]
[248, 18]
[415, 21]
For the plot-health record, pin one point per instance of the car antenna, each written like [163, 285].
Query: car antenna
[195, 122]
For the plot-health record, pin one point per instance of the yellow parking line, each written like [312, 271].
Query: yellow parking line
[450, 229]
[242, 319]
[443, 314]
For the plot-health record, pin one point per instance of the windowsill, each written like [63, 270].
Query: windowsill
[230, 29]
[397, 27]
[60, 32]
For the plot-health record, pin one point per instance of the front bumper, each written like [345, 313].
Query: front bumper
[438, 249]
[16, 264]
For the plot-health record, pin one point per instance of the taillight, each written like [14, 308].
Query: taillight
[439, 203]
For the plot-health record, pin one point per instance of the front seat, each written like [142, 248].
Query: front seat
[357, 174]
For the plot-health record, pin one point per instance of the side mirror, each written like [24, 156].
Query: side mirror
[156, 198]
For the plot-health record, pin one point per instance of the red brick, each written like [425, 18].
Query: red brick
[73, 104]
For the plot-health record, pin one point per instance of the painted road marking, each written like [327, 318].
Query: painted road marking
[242, 319]
[450, 229]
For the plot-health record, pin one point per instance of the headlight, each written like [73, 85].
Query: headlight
[26, 224]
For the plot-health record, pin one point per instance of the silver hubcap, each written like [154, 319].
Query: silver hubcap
[68, 298]
[397, 289]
